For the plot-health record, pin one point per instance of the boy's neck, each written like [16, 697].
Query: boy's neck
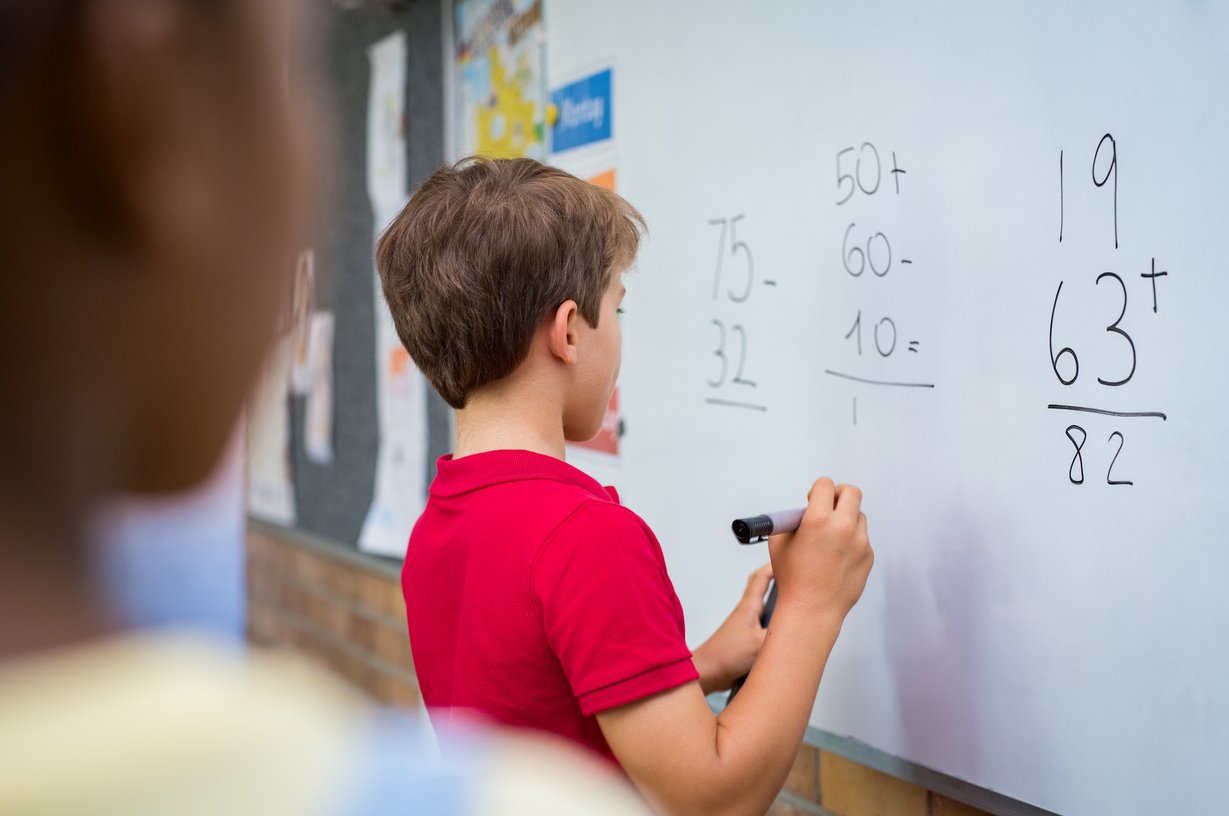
[510, 419]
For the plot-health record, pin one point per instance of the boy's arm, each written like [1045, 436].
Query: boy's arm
[683, 758]
[731, 651]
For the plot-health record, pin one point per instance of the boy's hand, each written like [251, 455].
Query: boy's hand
[683, 758]
[824, 565]
[729, 653]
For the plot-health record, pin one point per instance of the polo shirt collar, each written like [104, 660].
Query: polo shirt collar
[456, 476]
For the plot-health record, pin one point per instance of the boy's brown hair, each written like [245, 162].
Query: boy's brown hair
[485, 251]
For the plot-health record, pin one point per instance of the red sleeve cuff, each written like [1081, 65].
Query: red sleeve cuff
[638, 687]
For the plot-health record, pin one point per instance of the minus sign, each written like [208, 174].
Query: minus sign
[770, 283]
[906, 260]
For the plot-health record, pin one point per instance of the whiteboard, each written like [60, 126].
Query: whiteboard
[1059, 643]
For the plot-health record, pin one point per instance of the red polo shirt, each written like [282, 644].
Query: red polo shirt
[534, 598]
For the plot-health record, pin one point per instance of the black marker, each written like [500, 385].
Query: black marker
[757, 528]
[754, 529]
[770, 604]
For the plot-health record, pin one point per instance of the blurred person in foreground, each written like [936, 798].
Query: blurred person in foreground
[153, 188]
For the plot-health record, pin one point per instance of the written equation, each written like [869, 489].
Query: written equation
[864, 174]
[1117, 366]
[732, 383]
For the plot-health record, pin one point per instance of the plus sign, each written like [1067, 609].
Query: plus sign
[896, 172]
[1153, 275]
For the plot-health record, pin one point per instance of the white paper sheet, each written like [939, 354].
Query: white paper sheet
[302, 306]
[318, 418]
[270, 478]
[400, 484]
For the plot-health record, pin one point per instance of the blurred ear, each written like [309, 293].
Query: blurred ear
[561, 336]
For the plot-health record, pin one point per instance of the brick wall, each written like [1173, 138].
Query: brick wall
[345, 611]
[827, 784]
[340, 611]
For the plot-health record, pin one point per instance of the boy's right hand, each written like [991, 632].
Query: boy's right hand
[823, 566]
[683, 758]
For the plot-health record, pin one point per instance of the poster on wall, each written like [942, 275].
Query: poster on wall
[270, 482]
[606, 442]
[303, 302]
[401, 400]
[500, 85]
[582, 112]
[318, 416]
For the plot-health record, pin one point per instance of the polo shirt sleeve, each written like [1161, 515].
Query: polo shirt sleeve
[609, 610]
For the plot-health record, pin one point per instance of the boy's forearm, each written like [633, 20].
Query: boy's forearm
[759, 733]
[687, 761]
[711, 678]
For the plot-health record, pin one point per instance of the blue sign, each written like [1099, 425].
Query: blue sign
[583, 112]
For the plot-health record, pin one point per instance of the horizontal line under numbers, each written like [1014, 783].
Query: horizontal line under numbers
[869, 381]
[1129, 414]
[735, 404]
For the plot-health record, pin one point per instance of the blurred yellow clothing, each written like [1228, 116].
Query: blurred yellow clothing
[166, 724]
[179, 725]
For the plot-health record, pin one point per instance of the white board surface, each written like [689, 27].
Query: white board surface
[1059, 643]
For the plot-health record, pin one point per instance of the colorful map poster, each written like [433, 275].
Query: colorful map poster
[500, 83]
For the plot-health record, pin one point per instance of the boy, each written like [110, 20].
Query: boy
[533, 596]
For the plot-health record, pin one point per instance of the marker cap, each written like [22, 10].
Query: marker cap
[748, 529]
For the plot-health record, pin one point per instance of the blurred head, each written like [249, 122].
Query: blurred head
[491, 253]
[154, 157]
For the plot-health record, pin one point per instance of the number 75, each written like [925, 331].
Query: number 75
[736, 247]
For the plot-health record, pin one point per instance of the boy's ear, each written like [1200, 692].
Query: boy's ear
[562, 332]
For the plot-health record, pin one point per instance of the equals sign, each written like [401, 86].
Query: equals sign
[913, 346]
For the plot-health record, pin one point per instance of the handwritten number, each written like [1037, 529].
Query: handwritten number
[871, 258]
[847, 254]
[864, 257]
[1109, 474]
[878, 346]
[856, 330]
[878, 169]
[1111, 169]
[1078, 459]
[843, 177]
[742, 356]
[1113, 327]
[856, 180]
[884, 349]
[735, 246]
[1062, 203]
[1054, 358]
[720, 354]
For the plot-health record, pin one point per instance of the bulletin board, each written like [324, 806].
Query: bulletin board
[332, 499]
